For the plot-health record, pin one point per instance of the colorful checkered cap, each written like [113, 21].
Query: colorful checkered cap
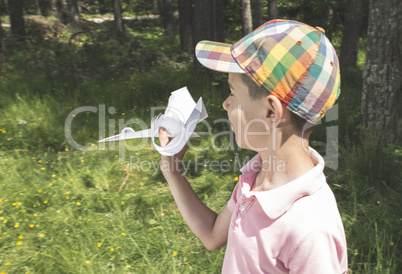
[291, 60]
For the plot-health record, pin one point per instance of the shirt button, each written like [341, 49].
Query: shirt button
[241, 207]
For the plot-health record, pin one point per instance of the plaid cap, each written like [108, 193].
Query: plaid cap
[291, 60]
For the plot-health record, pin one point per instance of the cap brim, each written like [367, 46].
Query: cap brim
[217, 56]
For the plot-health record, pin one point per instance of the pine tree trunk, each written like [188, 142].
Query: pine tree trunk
[247, 21]
[257, 17]
[37, 8]
[118, 18]
[168, 17]
[186, 25]
[382, 81]
[272, 10]
[220, 20]
[75, 15]
[16, 17]
[351, 34]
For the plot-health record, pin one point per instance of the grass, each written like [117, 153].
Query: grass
[61, 210]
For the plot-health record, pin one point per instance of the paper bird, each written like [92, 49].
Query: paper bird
[179, 120]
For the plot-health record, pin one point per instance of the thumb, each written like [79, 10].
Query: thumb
[163, 137]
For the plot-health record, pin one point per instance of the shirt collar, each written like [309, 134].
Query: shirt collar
[277, 201]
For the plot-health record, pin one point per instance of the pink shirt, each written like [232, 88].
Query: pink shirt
[295, 228]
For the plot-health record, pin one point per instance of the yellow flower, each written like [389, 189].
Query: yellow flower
[236, 178]
[174, 253]
[8, 263]
[82, 161]
[20, 237]
[19, 203]
[4, 233]
[53, 175]
[16, 225]
[124, 234]
[99, 244]
[45, 202]
[72, 180]
[42, 235]
[128, 266]
[88, 219]
[66, 149]
[39, 118]
[111, 249]
[35, 214]
[67, 198]
[39, 190]
[391, 243]
[39, 161]
[43, 168]
[31, 226]
[5, 221]
[78, 203]
[88, 262]
[58, 179]
[19, 243]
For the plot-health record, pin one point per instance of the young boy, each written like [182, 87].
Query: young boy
[282, 216]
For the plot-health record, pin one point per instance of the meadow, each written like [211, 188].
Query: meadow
[105, 209]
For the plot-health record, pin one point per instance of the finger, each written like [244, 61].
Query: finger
[163, 137]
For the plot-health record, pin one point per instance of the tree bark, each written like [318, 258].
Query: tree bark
[257, 17]
[118, 18]
[186, 25]
[382, 81]
[168, 17]
[75, 15]
[247, 21]
[16, 17]
[351, 34]
[272, 10]
[37, 8]
[201, 29]
[220, 20]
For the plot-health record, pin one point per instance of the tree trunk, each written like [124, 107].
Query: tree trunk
[382, 81]
[201, 29]
[168, 17]
[155, 5]
[118, 18]
[37, 8]
[186, 25]
[16, 17]
[75, 15]
[257, 17]
[220, 20]
[351, 34]
[53, 7]
[3, 53]
[272, 10]
[247, 21]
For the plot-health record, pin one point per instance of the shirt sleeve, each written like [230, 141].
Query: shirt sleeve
[318, 252]
[235, 196]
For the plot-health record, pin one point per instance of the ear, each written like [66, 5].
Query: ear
[275, 110]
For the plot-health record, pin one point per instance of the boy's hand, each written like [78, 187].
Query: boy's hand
[170, 164]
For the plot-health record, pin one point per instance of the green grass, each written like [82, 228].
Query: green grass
[61, 210]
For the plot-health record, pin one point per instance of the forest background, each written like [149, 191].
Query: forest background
[104, 209]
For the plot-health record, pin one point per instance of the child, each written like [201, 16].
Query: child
[282, 216]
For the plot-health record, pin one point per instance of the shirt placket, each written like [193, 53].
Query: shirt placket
[242, 206]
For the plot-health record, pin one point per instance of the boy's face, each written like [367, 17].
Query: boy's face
[249, 118]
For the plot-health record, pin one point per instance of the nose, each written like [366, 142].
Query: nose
[226, 104]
